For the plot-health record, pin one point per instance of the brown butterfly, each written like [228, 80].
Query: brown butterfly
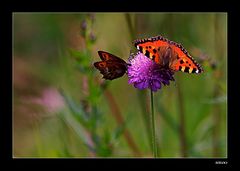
[111, 66]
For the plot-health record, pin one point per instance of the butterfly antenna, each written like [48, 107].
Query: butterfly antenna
[131, 56]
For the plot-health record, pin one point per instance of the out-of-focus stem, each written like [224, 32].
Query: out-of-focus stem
[182, 133]
[130, 26]
[119, 119]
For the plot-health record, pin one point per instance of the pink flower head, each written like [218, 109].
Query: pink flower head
[144, 73]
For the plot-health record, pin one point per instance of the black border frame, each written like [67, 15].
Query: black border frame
[120, 6]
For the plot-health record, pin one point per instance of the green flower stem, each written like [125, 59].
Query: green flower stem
[154, 142]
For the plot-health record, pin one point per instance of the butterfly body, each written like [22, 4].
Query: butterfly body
[167, 53]
[111, 66]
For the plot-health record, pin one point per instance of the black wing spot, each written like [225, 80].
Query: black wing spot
[154, 51]
[153, 57]
[194, 70]
[147, 53]
[179, 68]
[187, 69]
[181, 62]
[141, 49]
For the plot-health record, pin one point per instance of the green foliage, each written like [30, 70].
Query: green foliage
[82, 60]
[61, 50]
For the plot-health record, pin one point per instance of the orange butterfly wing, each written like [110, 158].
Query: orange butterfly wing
[150, 47]
[185, 62]
[164, 51]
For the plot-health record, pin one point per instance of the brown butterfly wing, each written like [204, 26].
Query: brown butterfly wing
[105, 56]
[111, 66]
[111, 69]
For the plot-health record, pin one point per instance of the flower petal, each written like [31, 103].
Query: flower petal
[141, 85]
[145, 73]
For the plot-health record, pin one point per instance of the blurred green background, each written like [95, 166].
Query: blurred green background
[62, 107]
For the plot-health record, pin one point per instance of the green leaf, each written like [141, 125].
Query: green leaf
[104, 148]
[118, 132]
[76, 109]
[83, 60]
[104, 151]
[96, 139]
[77, 128]
[94, 92]
[167, 117]
[200, 119]
[107, 136]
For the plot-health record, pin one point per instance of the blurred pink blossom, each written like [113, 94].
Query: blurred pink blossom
[51, 99]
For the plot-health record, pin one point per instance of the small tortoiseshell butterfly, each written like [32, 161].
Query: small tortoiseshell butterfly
[167, 53]
[111, 66]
